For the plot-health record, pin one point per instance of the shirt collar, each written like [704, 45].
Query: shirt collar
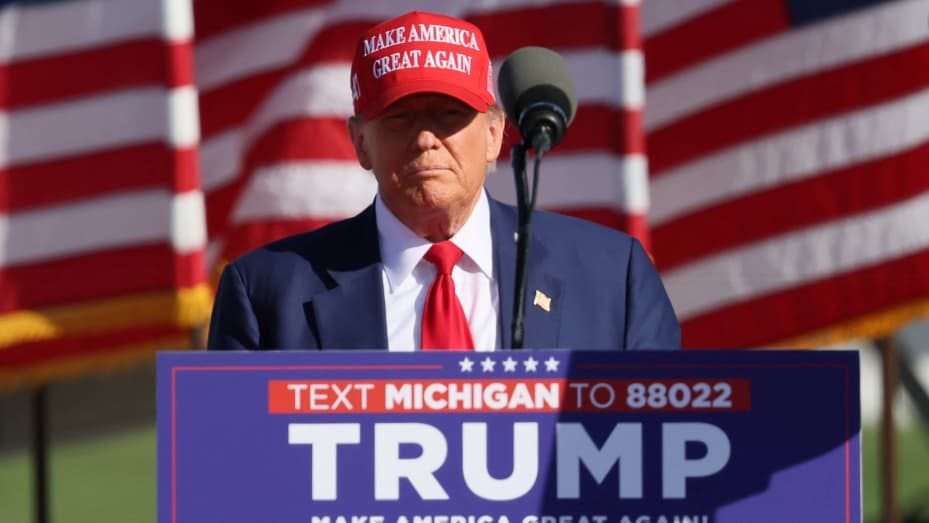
[402, 249]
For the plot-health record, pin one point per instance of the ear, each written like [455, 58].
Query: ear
[496, 123]
[356, 133]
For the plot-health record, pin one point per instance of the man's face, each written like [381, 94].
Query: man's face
[429, 154]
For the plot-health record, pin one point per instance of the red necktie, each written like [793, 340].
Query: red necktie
[444, 323]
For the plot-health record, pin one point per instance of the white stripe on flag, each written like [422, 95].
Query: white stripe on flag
[320, 91]
[799, 153]
[320, 189]
[220, 160]
[121, 220]
[214, 250]
[810, 50]
[583, 180]
[256, 48]
[616, 79]
[276, 42]
[183, 117]
[335, 188]
[188, 224]
[178, 23]
[65, 27]
[604, 77]
[797, 258]
[662, 14]
[92, 123]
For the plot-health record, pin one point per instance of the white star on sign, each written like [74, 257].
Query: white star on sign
[551, 364]
[509, 364]
[487, 364]
[530, 364]
[466, 364]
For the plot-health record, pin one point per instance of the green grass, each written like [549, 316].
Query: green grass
[112, 479]
[109, 479]
[912, 473]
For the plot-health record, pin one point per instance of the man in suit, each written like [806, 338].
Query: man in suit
[427, 125]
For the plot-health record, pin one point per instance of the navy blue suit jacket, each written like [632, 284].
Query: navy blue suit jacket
[323, 289]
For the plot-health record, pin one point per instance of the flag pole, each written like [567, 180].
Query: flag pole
[889, 380]
[197, 335]
[911, 384]
[40, 452]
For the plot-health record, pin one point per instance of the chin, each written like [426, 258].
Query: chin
[432, 199]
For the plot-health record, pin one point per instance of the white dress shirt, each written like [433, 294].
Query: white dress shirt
[407, 278]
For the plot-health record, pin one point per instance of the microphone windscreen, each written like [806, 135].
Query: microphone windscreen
[536, 74]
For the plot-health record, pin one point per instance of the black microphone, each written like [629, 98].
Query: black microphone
[538, 95]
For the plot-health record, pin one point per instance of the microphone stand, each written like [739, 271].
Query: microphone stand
[525, 206]
[540, 123]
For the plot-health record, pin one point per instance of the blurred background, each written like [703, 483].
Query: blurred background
[772, 156]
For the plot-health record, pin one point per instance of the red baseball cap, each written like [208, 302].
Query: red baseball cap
[421, 53]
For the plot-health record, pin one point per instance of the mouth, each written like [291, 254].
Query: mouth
[427, 171]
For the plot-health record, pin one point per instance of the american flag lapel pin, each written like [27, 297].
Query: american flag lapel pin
[542, 301]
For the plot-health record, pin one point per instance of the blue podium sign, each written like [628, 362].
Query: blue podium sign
[509, 437]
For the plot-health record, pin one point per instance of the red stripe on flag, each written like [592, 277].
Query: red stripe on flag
[792, 206]
[792, 103]
[285, 141]
[560, 26]
[605, 128]
[219, 205]
[230, 104]
[24, 355]
[98, 174]
[634, 224]
[59, 77]
[724, 29]
[181, 67]
[246, 237]
[76, 285]
[595, 128]
[99, 274]
[290, 140]
[218, 16]
[824, 303]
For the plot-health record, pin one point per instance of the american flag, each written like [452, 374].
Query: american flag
[102, 230]
[274, 98]
[785, 144]
[788, 150]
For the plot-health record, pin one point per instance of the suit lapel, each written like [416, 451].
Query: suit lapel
[543, 288]
[351, 313]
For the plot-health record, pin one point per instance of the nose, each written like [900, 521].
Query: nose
[425, 138]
